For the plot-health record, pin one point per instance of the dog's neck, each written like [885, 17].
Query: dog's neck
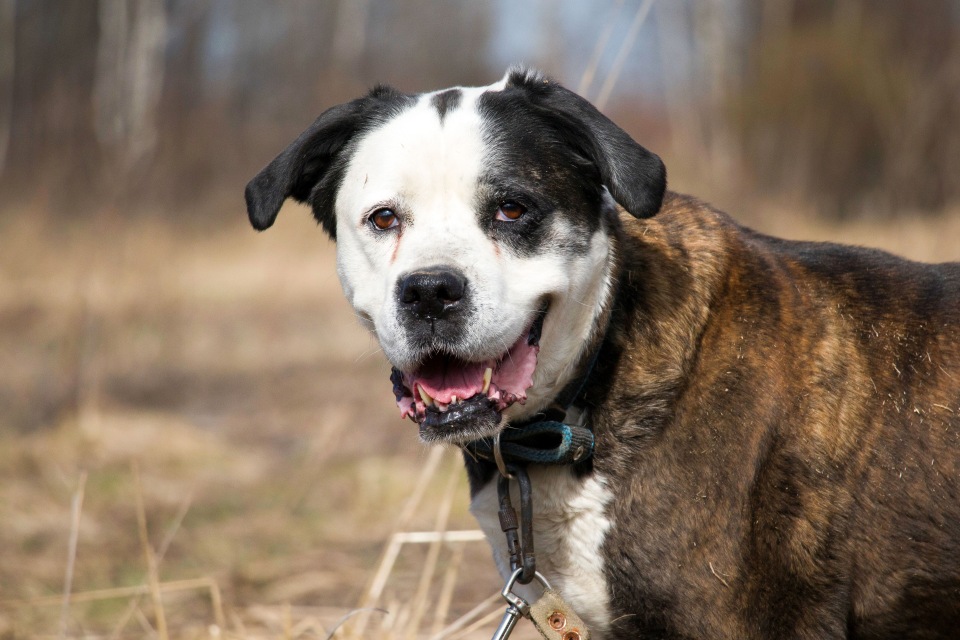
[652, 268]
[668, 280]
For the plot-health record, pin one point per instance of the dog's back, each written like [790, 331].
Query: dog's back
[786, 417]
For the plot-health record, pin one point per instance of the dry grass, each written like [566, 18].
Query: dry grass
[226, 369]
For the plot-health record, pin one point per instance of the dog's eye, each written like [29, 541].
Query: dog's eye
[510, 211]
[384, 219]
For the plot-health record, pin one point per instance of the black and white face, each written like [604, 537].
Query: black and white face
[473, 230]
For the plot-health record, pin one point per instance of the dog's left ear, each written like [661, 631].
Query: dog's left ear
[307, 169]
[636, 178]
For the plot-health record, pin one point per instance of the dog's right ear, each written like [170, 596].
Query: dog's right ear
[636, 177]
[308, 170]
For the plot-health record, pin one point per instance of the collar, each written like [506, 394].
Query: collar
[549, 438]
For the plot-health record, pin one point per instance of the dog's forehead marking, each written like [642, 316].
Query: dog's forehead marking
[426, 159]
[440, 134]
[446, 101]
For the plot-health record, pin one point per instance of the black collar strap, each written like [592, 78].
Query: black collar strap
[539, 442]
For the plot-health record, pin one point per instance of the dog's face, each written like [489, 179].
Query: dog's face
[473, 230]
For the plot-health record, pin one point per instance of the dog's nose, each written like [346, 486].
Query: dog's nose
[432, 292]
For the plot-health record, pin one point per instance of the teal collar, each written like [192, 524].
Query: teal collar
[539, 442]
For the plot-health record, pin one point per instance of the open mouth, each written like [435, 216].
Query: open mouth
[454, 400]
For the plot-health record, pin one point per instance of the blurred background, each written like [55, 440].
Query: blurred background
[196, 438]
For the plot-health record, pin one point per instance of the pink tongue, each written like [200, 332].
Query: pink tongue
[515, 373]
[443, 378]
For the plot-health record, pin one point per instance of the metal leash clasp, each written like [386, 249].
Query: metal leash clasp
[520, 547]
[517, 607]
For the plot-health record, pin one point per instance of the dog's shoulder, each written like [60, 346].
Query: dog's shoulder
[815, 386]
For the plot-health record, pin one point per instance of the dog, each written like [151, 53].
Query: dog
[776, 424]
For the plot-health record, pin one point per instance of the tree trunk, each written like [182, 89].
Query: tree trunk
[7, 62]
[130, 66]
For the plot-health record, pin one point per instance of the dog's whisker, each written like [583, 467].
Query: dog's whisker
[367, 354]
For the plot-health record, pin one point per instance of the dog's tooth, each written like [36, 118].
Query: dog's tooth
[454, 400]
[442, 407]
[427, 400]
[487, 377]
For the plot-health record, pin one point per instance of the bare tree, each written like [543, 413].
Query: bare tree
[7, 61]
[130, 64]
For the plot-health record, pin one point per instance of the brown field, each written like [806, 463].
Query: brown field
[225, 371]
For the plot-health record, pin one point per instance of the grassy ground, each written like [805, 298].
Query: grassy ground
[225, 369]
[217, 377]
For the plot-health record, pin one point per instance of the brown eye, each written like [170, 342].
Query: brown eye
[384, 219]
[510, 211]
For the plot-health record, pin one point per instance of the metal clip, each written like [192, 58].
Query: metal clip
[518, 607]
[509, 621]
[513, 598]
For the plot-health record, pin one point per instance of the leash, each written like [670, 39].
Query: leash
[550, 613]
[546, 440]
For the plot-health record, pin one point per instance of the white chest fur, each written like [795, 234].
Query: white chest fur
[570, 524]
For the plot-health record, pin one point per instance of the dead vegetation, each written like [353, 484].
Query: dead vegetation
[194, 424]
[226, 372]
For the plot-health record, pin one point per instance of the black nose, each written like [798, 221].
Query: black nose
[431, 293]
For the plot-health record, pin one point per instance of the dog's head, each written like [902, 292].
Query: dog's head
[473, 230]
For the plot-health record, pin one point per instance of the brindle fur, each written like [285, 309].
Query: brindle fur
[782, 422]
